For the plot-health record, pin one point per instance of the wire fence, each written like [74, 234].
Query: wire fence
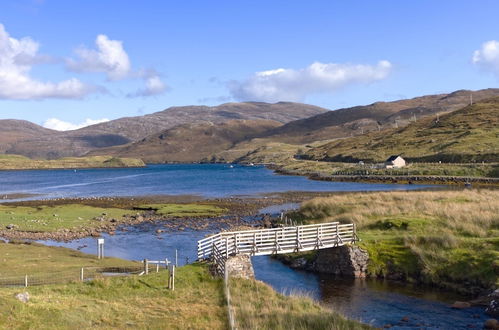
[68, 276]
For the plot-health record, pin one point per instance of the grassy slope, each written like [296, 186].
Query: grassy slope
[469, 134]
[16, 162]
[144, 302]
[258, 306]
[448, 238]
[137, 302]
[18, 259]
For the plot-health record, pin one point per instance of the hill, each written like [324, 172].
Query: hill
[52, 144]
[12, 131]
[468, 134]
[377, 116]
[191, 142]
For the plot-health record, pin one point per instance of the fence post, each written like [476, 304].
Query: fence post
[171, 278]
[337, 237]
[176, 258]
[297, 238]
[227, 248]
[146, 266]
[26, 281]
[81, 274]
[157, 267]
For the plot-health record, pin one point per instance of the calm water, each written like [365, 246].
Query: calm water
[207, 180]
[373, 302]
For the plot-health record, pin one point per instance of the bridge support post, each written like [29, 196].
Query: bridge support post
[347, 260]
[240, 266]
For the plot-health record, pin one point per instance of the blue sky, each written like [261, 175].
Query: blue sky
[67, 62]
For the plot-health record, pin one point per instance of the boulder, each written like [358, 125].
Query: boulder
[22, 297]
[460, 305]
[492, 324]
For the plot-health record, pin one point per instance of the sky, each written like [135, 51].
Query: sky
[66, 64]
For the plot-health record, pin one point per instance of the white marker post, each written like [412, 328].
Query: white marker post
[100, 248]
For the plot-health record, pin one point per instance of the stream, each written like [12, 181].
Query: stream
[370, 301]
[374, 302]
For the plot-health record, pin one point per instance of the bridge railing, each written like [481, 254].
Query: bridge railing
[278, 240]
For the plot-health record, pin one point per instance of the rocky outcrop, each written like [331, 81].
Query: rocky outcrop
[240, 266]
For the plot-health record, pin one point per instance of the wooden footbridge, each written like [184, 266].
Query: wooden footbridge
[274, 241]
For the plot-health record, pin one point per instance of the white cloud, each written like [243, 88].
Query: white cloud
[487, 57]
[294, 85]
[110, 57]
[153, 84]
[60, 125]
[17, 57]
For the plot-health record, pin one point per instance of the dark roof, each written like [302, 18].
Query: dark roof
[392, 158]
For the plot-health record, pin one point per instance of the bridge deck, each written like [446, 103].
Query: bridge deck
[277, 240]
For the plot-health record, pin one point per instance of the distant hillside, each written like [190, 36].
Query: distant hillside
[52, 144]
[468, 134]
[380, 115]
[13, 131]
[191, 142]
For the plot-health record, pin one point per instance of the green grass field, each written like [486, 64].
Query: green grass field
[52, 218]
[19, 259]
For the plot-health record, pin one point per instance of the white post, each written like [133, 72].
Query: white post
[157, 267]
[176, 258]
[81, 274]
[26, 281]
[100, 248]
[171, 279]
[146, 266]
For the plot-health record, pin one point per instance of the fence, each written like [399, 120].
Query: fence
[67, 276]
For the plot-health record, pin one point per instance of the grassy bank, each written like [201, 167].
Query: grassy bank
[258, 306]
[145, 303]
[17, 162]
[43, 218]
[446, 238]
[132, 302]
[18, 259]
[38, 217]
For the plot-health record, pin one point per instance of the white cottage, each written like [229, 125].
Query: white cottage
[395, 161]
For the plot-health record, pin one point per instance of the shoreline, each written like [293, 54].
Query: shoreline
[392, 179]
